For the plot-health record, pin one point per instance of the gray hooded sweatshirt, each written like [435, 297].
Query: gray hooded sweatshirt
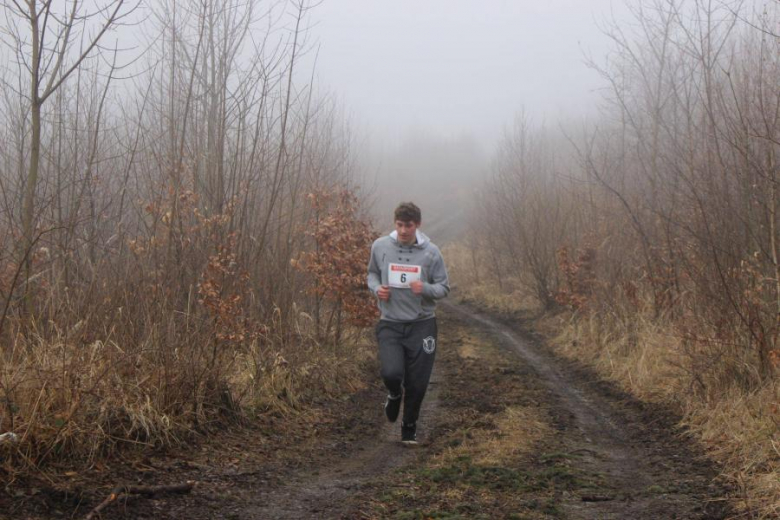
[397, 265]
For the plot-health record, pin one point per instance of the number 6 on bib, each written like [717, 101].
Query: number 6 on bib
[401, 276]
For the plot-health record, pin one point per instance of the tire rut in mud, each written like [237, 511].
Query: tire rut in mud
[508, 431]
[645, 467]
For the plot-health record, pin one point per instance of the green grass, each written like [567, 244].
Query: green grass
[557, 456]
[463, 472]
[530, 491]
[442, 515]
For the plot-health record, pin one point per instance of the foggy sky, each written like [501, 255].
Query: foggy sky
[454, 67]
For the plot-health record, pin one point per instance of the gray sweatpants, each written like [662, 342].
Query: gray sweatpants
[406, 354]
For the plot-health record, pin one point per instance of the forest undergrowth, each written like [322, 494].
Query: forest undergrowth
[144, 367]
[172, 254]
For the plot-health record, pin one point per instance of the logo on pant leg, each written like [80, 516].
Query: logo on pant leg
[429, 344]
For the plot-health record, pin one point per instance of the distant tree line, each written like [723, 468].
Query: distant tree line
[665, 205]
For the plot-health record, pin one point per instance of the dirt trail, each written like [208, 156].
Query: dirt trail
[621, 459]
[643, 473]
[321, 493]
[507, 431]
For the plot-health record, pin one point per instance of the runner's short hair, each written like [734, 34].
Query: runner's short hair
[408, 212]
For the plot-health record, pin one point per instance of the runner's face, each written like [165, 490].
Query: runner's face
[407, 231]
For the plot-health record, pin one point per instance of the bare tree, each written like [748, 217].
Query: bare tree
[50, 47]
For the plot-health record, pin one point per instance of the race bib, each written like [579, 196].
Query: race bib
[401, 276]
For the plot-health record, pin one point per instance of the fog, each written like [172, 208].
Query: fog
[430, 86]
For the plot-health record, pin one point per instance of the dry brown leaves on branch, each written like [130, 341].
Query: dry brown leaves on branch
[578, 275]
[338, 263]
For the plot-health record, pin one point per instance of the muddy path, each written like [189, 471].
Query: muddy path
[322, 492]
[507, 431]
[646, 468]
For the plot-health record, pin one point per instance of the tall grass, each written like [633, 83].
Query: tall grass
[154, 351]
[68, 398]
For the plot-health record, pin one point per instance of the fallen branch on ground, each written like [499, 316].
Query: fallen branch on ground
[148, 491]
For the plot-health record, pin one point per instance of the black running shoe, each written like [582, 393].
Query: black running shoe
[392, 407]
[409, 434]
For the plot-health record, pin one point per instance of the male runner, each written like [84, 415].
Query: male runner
[406, 273]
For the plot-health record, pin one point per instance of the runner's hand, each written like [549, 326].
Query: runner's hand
[417, 287]
[383, 293]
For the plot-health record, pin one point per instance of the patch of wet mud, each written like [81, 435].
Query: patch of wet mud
[322, 493]
[645, 467]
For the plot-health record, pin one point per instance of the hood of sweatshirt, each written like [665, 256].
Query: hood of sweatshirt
[422, 240]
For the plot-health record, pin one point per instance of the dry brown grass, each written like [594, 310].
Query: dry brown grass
[75, 403]
[516, 431]
[645, 359]
[477, 285]
[740, 428]
[742, 431]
